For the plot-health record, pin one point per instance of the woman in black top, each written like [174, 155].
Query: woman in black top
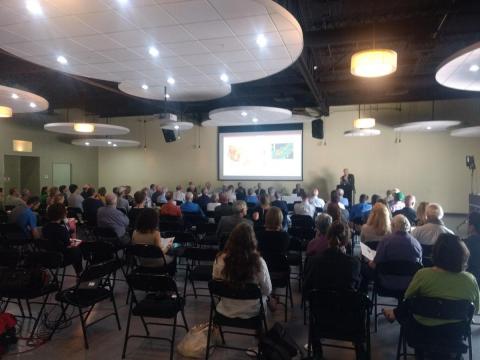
[273, 239]
[57, 234]
[259, 213]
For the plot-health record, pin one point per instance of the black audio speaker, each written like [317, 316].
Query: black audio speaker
[169, 135]
[317, 129]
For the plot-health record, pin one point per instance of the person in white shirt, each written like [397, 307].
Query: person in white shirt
[428, 234]
[179, 195]
[315, 200]
[213, 202]
[240, 263]
[304, 207]
[75, 200]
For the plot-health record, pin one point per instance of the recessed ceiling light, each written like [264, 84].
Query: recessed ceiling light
[87, 143]
[243, 113]
[122, 2]
[176, 127]
[429, 128]
[315, 67]
[171, 80]
[145, 87]
[474, 68]
[109, 142]
[224, 77]
[34, 7]
[255, 120]
[62, 60]
[14, 96]
[32, 105]
[153, 51]
[261, 40]
[114, 145]
[167, 96]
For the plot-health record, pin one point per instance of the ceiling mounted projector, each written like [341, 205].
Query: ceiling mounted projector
[167, 119]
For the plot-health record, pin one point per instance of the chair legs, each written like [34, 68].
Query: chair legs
[128, 329]
[84, 329]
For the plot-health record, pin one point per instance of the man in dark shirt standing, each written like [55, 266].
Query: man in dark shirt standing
[409, 210]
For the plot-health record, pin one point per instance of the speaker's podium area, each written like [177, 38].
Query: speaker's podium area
[226, 179]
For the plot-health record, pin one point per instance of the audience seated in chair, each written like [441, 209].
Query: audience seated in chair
[398, 246]
[147, 233]
[422, 213]
[179, 195]
[228, 223]
[240, 263]
[170, 208]
[75, 200]
[57, 236]
[110, 217]
[122, 203]
[428, 233]
[259, 212]
[409, 210]
[224, 209]
[398, 202]
[240, 192]
[304, 207]
[24, 216]
[90, 206]
[358, 211]
[203, 200]
[139, 205]
[189, 207]
[317, 202]
[320, 243]
[13, 198]
[446, 280]
[273, 239]
[340, 192]
[378, 225]
[251, 197]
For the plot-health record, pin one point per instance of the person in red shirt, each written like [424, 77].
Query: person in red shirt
[170, 208]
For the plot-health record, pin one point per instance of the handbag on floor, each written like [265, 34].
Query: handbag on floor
[194, 343]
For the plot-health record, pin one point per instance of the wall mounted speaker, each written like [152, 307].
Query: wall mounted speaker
[317, 129]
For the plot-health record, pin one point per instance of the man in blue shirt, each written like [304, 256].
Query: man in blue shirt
[251, 197]
[189, 206]
[358, 211]
[343, 200]
[23, 215]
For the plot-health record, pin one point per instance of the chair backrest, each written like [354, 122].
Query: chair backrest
[444, 309]
[46, 259]
[276, 262]
[73, 212]
[170, 226]
[169, 218]
[184, 237]
[105, 234]
[145, 251]
[206, 229]
[303, 221]
[9, 258]
[95, 252]
[339, 314]
[398, 268]
[200, 254]
[193, 219]
[152, 282]
[98, 271]
[224, 289]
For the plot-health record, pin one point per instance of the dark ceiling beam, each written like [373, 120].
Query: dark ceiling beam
[304, 65]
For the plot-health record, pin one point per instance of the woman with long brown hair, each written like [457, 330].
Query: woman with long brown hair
[240, 263]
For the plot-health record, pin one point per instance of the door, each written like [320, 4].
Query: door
[61, 174]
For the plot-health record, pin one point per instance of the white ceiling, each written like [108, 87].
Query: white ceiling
[427, 126]
[197, 42]
[473, 131]
[23, 103]
[100, 129]
[462, 70]
[113, 143]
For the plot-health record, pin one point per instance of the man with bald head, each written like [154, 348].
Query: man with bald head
[409, 210]
[110, 217]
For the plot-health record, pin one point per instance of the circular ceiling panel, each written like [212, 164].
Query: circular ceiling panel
[248, 115]
[362, 132]
[179, 126]
[461, 70]
[468, 132]
[99, 129]
[427, 126]
[21, 101]
[184, 45]
[113, 143]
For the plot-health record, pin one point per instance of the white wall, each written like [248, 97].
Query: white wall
[431, 166]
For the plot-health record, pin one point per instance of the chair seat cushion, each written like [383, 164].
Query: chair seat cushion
[165, 307]
[201, 273]
[83, 297]
[252, 323]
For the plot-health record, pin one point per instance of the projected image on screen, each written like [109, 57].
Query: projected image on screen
[274, 155]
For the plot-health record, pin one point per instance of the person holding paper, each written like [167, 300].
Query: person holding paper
[147, 233]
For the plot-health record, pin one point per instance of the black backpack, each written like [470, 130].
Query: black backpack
[277, 344]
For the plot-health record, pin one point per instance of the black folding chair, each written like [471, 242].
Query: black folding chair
[220, 290]
[193, 219]
[13, 235]
[40, 267]
[205, 234]
[149, 253]
[161, 300]
[427, 255]
[453, 338]
[93, 287]
[301, 232]
[170, 223]
[199, 268]
[279, 270]
[404, 269]
[339, 315]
